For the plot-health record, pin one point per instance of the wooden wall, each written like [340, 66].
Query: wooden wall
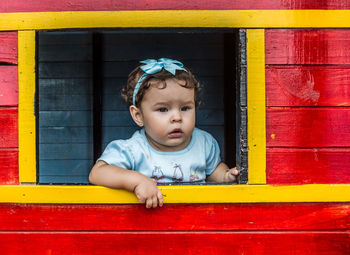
[308, 106]
[8, 108]
[307, 93]
[176, 229]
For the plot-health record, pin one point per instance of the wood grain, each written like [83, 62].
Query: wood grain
[8, 166]
[306, 46]
[8, 47]
[8, 85]
[301, 85]
[307, 166]
[9, 128]
[93, 5]
[175, 217]
[308, 127]
[299, 242]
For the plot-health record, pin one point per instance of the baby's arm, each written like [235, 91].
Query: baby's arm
[112, 176]
[223, 173]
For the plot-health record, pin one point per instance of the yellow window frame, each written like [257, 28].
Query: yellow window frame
[256, 192]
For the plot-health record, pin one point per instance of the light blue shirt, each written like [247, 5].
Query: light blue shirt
[191, 164]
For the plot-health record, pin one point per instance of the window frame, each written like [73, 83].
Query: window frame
[28, 23]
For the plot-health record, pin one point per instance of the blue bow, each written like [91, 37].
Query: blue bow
[153, 66]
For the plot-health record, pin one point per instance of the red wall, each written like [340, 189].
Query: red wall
[308, 106]
[308, 141]
[114, 5]
[8, 108]
[175, 229]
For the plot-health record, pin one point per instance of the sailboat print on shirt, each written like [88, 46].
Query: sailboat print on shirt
[158, 174]
[178, 175]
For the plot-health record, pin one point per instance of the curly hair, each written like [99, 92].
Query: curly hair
[162, 76]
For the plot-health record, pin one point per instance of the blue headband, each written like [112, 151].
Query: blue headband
[153, 66]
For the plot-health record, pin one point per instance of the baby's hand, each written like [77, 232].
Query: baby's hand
[147, 192]
[232, 175]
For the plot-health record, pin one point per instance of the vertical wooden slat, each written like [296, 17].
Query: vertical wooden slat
[256, 106]
[26, 115]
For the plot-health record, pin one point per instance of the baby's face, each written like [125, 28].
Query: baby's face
[168, 115]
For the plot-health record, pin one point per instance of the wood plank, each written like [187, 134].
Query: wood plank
[68, 70]
[9, 166]
[330, 243]
[65, 134]
[306, 46]
[66, 151]
[65, 167]
[308, 85]
[308, 127]
[8, 47]
[65, 86]
[67, 118]
[9, 127]
[8, 85]
[65, 179]
[93, 5]
[65, 52]
[307, 166]
[175, 217]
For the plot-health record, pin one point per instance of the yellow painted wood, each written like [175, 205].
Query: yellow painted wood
[256, 106]
[26, 118]
[177, 18]
[177, 194]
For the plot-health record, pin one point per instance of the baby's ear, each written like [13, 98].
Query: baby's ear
[136, 115]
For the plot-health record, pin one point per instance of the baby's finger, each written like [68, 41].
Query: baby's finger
[154, 201]
[160, 198]
[149, 203]
[235, 172]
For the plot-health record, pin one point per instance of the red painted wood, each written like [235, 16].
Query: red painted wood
[8, 85]
[8, 47]
[302, 46]
[307, 166]
[308, 85]
[8, 166]
[96, 5]
[9, 128]
[308, 127]
[299, 242]
[175, 217]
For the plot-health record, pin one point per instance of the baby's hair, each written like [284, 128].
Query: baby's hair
[162, 76]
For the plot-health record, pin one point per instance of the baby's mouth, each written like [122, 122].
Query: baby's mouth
[176, 133]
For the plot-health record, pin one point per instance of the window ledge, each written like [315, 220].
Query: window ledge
[177, 194]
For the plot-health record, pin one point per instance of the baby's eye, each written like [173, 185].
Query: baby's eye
[163, 109]
[185, 108]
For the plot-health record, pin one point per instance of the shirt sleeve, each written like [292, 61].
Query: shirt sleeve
[117, 153]
[212, 154]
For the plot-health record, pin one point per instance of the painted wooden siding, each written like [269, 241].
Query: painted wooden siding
[8, 108]
[176, 229]
[307, 90]
[8, 47]
[95, 5]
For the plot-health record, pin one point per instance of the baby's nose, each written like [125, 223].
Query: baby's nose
[176, 116]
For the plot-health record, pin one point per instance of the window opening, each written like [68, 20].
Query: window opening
[81, 73]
